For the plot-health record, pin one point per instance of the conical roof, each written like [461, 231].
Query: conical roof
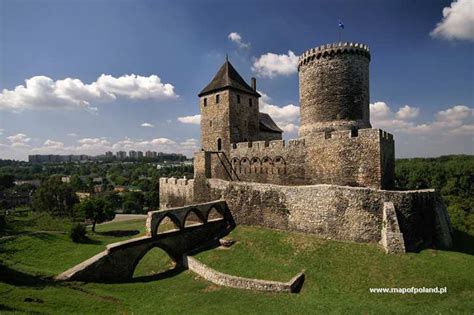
[227, 77]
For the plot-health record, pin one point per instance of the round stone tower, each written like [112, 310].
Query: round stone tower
[334, 88]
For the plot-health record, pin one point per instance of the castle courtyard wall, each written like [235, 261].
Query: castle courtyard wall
[176, 192]
[337, 212]
[330, 211]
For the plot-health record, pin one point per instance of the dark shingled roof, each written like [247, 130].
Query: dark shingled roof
[227, 77]
[267, 123]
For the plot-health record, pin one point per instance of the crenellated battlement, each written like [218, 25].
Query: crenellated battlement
[324, 51]
[320, 136]
[176, 181]
[268, 144]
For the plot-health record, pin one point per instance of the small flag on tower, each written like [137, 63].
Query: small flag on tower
[341, 25]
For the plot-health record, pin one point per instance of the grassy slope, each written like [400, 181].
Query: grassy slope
[338, 276]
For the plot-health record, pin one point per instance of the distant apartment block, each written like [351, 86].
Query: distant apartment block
[55, 158]
[109, 154]
[132, 154]
[139, 155]
[121, 155]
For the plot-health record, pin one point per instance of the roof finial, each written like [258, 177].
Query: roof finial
[226, 57]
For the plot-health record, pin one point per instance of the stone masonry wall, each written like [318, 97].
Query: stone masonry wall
[340, 157]
[338, 212]
[176, 192]
[334, 88]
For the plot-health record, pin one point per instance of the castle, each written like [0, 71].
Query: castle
[334, 180]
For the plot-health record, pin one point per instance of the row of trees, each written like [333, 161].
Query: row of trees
[59, 199]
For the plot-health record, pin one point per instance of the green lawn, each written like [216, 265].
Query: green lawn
[338, 276]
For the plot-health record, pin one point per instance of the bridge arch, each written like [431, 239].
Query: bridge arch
[168, 217]
[138, 258]
[214, 213]
[191, 216]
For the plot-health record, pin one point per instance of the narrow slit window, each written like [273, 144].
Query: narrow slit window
[205, 101]
[238, 99]
[218, 98]
[250, 102]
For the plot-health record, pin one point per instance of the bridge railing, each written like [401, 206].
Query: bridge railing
[180, 216]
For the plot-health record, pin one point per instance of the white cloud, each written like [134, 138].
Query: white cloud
[19, 140]
[195, 120]
[41, 92]
[271, 65]
[191, 145]
[51, 144]
[20, 146]
[456, 113]
[72, 134]
[456, 120]
[286, 117]
[457, 22]
[236, 38]
[147, 125]
[407, 112]
[1, 131]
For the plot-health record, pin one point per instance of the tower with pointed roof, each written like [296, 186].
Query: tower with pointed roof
[230, 113]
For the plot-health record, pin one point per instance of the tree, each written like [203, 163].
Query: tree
[130, 206]
[113, 198]
[6, 181]
[55, 197]
[152, 199]
[96, 209]
[133, 201]
[77, 183]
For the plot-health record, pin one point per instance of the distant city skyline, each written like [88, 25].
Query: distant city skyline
[91, 77]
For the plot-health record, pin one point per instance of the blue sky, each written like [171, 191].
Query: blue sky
[79, 57]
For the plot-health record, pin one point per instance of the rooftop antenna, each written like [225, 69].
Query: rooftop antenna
[226, 57]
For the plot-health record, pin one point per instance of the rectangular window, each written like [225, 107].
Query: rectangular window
[238, 99]
[205, 101]
[218, 98]
[250, 102]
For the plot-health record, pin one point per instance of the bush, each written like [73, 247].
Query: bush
[78, 233]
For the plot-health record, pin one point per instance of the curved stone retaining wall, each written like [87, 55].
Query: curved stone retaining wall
[226, 280]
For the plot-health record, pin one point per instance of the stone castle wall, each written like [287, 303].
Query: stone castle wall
[337, 212]
[176, 192]
[340, 157]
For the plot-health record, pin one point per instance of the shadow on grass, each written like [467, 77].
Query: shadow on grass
[86, 240]
[5, 308]
[119, 233]
[462, 242]
[18, 278]
[179, 268]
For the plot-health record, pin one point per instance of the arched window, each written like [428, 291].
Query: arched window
[219, 144]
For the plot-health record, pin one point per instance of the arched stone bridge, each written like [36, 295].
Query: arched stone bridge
[117, 263]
